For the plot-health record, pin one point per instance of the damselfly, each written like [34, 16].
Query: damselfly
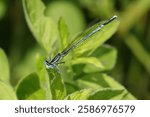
[52, 63]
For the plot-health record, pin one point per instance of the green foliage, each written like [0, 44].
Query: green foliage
[103, 54]
[4, 67]
[29, 88]
[99, 94]
[7, 92]
[43, 76]
[63, 32]
[42, 27]
[91, 70]
[80, 95]
[108, 94]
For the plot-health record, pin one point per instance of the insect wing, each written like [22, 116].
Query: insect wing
[93, 37]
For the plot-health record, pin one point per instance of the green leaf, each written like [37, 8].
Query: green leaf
[4, 67]
[42, 27]
[57, 86]
[37, 95]
[103, 55]
[80, 95]
[97, 39]
[71, 87]
[101, 81]
[97, 81]
[89, 60]
[30, 87]
[99, 94]
[43, 76]
[63, 32]
[107, 94]
[6, 92]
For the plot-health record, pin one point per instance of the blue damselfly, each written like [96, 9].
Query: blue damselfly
[52, 63]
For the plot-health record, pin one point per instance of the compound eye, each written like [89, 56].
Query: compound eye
[48, 65]
[46, 62]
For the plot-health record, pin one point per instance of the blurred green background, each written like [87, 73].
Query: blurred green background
[132, 39]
